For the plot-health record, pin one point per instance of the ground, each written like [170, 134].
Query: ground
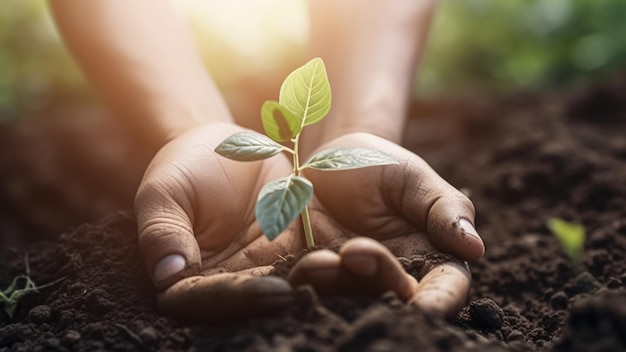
[522, 159]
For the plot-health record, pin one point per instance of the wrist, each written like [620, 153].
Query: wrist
[384, 119]
[384, 130]
[389, 128]
[380, 110]
[168, 121]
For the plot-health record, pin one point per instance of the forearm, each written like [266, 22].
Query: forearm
[371, 51]
[141, 58]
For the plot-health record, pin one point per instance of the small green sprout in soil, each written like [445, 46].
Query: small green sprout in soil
[571, 237]
[304, 99]
[11, 296]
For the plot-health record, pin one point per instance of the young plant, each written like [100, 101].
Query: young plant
[571, 237]
[11, 296]
[304, 99]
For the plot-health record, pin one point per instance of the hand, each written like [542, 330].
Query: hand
[195, 216]
[409, 209]
[197, 230]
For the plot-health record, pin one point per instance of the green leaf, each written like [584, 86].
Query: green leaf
[12, 287]
[306, 92]
[10, 309]
[571, 237]
[248, 146]
[280, 202]
[11, 296]
[348, 158]
[279, 123]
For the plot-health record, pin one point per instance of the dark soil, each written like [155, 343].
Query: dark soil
[522, 159]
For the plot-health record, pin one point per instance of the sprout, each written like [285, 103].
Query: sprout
[571, 237]
[11, 296]
[304, 99]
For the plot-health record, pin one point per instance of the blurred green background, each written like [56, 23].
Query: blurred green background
[507, 45]
[481, 46]
[35, 68]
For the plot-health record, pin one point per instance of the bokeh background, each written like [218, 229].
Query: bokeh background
[485, 46]
[63, 161]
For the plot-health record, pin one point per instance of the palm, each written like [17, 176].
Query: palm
[221, 194]
[226, 193]
[378, 202]
[363, 208]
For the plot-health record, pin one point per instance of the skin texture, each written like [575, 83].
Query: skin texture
[371, 55]
[143, 62]
[195, 210]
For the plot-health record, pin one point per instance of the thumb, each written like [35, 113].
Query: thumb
[448, 214]
[450, 226]
[166, 241]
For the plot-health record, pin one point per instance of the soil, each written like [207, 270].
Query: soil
[522, 159]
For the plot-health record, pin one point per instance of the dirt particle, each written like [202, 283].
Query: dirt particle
[559, 301]
[52, 344]
[584, 283]
[149, 335]
[391, 298]
[40, 314]
[515, 335]
[485, 314]
[623, 278]
[99, 302]
[372, 326]
[14, 333]
[70, 337]
[596, 324]
[614, 283]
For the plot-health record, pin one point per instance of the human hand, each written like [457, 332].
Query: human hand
[410, 210]
[197, 231]
[205, 251]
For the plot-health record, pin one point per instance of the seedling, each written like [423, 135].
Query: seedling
[304, 99]
[11, 296]
[571, 237]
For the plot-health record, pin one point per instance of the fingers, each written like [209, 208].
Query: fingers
[224, 298]
[362, 266]
[411, 190]
[444, 290]
[321, 269]
[450, 225]
[166, 240]
[426, 198]
[373, 265]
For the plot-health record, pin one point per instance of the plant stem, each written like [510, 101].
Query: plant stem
[306, 221]
[288, 150]
[308, 232]
[296, 157]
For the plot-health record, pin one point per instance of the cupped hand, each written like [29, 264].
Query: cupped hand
[196, 225]
[207, 254]
[409, 210]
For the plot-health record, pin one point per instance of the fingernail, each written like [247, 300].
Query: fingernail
[168, 266]
[364, 265]
[468, 228]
